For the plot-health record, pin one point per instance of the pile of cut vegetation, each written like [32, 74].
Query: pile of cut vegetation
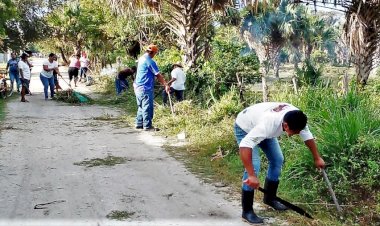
[72, 97]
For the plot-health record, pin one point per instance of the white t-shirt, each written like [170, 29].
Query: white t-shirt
[24, 67]
[49, 74]
[84, 62]
[179, 75]
[264, 120]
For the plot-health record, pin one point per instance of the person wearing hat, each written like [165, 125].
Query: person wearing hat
[143, 85]
[176, 83]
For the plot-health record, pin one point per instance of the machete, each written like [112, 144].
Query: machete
[288, 204]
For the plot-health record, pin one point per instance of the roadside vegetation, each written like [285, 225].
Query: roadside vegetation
[236, 55]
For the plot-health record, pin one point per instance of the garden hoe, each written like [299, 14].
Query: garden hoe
[332, 193]
[289, 205]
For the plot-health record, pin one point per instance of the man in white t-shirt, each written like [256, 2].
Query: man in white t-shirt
[258, 126]
[176, 83]
[25, 74]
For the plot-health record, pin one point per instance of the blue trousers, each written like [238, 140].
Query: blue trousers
[13, 75]
[48, 82]
[121, 85]
[144, 99]
[273, 152]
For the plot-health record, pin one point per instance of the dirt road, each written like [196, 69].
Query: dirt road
[45, 179]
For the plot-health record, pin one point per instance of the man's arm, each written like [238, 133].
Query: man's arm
[6, 68]
[318, 161]
[171, 81]
[161, 79]
[246, 158]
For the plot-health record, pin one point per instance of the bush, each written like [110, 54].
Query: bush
[309, 74]
[228, 105]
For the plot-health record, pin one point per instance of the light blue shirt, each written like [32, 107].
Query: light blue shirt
[146, 71]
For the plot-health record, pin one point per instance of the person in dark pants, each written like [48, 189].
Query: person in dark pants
[84, 64]
[143, 86]
[176, 83]
[55, 74]
[25, 75]
[121, 82]
[258, 126]
[74, 69]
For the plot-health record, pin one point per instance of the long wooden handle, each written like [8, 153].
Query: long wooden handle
[338, 208]
[171, 104]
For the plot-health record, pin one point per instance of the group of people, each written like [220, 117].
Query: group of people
[79, 65]
[143, 84]
[20, 72]
[257, 126]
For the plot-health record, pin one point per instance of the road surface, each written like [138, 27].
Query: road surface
[44, 180]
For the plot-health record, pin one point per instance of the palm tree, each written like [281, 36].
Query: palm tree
[362, 31]
[190, 20]
[264, 33]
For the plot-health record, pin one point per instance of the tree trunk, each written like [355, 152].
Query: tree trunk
[276, 66]
[63, 55]
[265, 89]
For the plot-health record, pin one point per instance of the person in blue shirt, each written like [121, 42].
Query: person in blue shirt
[147, 71]
[12, 65]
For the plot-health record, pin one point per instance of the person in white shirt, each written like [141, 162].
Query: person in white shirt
[258, 126]
[25, 75]
[47, 76]
[84, 64]
[176, 83]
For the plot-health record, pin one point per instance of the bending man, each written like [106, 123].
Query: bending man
[258, 126]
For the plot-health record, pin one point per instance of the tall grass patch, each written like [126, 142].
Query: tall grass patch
[347, 131]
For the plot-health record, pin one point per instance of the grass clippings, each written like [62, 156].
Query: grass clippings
[108, 161]
[120, 215]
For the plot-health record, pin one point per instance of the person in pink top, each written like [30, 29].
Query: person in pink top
[74, 68]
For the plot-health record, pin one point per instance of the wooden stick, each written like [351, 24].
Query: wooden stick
[338, 208]
[171, 105]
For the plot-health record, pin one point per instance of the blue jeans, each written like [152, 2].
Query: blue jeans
[144, 99]
[121, 85]
[13, 75]
[272, 150]
[83, 71]
[48, 82]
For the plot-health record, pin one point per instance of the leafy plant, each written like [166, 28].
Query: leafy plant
[309, 73]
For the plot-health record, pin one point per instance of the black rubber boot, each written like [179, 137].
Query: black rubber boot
[271, 188]
[247, 204]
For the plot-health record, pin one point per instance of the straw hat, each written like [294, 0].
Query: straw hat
[178, 64]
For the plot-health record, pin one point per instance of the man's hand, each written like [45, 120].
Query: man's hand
[252, 182]
[167, 89]
[319, 163]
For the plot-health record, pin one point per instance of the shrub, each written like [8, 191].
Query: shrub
[309, 73]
